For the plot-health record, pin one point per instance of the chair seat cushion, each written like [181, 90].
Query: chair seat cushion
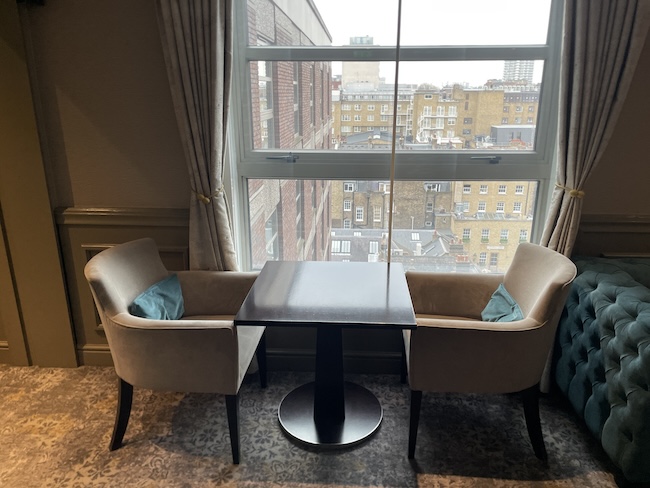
[161, 301]
[501, 307]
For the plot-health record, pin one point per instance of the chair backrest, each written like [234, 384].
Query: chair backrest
[119, 274]
[538, 279]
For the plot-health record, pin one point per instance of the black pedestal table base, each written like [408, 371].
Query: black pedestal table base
[363, 414]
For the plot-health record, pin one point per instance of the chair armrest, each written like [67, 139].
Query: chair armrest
[215, 292]
[451, 294]
[180, 355]
[491, 353]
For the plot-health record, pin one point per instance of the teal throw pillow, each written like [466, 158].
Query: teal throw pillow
[161, 301]
[501, 307]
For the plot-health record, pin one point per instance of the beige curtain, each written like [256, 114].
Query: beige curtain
[602, 43]
[197, 43]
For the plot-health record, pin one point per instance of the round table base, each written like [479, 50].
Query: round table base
[363, 415]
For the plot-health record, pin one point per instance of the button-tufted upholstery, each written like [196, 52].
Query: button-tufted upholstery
[602, 358]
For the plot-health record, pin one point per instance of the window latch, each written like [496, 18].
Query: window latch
[490, 159]
[289, 158]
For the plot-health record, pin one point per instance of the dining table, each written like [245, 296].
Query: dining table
[329, 296]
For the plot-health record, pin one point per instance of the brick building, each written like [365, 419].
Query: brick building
[291, 109]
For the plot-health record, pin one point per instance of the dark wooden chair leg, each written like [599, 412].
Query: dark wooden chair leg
[232, 408]
[260, 353]
[416, 401]
[124, 401]
[530, 398]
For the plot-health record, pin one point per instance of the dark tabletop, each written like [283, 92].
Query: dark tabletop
[308, 293]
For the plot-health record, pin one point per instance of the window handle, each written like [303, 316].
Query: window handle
[490, 159]
[289, 158]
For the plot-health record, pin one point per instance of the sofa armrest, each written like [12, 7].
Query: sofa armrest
[215, 292]
[451, 294]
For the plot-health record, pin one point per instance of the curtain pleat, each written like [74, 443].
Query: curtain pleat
[197, 44]
[601, 46]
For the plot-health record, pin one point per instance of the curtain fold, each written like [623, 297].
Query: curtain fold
[602, 41]
[197, 44]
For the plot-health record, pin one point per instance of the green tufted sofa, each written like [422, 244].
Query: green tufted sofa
[601, 358]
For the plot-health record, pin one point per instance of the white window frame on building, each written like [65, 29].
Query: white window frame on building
[376, 213]
[359, 213]
[347, 205]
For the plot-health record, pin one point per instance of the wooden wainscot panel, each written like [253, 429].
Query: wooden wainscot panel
[610, 235]
[84, 232]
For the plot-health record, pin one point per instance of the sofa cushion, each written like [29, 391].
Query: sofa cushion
[161, 301]
[501, 307]
[602, 361]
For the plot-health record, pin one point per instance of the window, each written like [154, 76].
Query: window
[373, 248]
[494, 259]
[467, 188]
[501, 206]
[357, 118]
[482, 260]
[481, 206]
[305, 67]
[502, 189]
[504, 235]
[516, 207]
[415, 236]
[429, 207]
[370, 118]
[347, 205]
[523, 235]
[359, 214]
[485, 235]
[519, 189]
[466, 234]
[376, 213]
[483, 189]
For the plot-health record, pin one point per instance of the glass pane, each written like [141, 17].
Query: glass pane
[445, 226]
[424, 22]
[291, 104]
[441, 105]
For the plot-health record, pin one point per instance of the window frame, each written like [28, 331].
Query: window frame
[244, 162]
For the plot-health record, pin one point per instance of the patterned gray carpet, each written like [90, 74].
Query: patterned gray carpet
[55, 425]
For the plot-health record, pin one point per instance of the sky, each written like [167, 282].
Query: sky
[438, 22]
